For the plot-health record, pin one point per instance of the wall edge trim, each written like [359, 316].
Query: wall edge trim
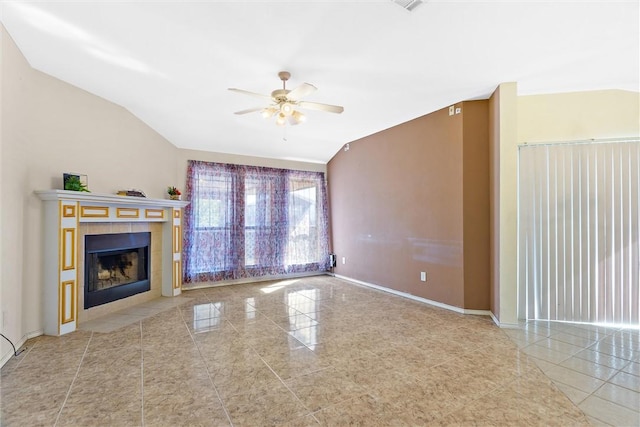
[243, 281]
[503, 325]
[415, 298]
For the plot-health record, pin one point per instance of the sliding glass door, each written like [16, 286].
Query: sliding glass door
[579, 215]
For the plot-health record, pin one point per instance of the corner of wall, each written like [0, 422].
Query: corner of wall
[3, 346]
[504, 156]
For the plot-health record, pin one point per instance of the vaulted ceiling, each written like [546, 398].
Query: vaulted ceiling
[171, 62]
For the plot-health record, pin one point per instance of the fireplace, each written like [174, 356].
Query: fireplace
[116, 266]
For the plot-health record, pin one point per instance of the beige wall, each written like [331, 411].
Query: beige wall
[504, 212]
[494, 201]
[49, 127]
[578, 116]
[4, 346]
[398, 208]
[184, 155]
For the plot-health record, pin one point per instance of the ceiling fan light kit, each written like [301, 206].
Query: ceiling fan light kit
[285, 103]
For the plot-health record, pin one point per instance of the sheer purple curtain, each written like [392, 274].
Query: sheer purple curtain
[247, 221]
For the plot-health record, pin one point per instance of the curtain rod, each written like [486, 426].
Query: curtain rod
[579, 142]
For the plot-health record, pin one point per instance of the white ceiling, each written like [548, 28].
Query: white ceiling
[170, 62]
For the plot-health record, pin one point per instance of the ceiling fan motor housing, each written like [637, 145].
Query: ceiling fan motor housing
[280, 95]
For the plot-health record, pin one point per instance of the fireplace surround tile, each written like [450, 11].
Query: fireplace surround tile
[155, 263]
[64, 256]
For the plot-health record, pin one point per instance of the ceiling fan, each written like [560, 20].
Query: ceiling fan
[284, 103]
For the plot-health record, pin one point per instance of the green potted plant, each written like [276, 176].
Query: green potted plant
[73, 183]
[174, 193]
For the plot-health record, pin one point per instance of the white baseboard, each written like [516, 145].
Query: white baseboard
[504, 325]
[9, 355]
[206, 285]
[416, 298]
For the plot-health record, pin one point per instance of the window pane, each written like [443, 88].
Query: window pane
[302, 223]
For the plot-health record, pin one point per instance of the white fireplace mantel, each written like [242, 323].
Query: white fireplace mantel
[86, 197]
[64, 211]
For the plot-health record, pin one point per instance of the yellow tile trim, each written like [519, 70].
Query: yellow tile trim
[154, 213]
[177, 239]
[69, 211]
[67, 303]
[176, 213]
[177, 274]
[94, 211]
[68, 249]
[128, 212]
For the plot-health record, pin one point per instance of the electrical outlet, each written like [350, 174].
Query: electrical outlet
[458, 110]
[423, 276]
[344, 260]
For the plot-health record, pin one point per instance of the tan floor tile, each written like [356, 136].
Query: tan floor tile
[290, 363]
[364, 410]
[241, 377]
[320, 389]
[370, 358]
[31, 417]
[270, 404]
[129, 414]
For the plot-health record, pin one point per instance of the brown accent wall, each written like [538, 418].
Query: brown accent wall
[475, 211]
[405, 200]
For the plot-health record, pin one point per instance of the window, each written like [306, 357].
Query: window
[245, 221]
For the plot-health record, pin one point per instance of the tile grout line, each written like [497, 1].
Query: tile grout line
[604, 382]
[86, 349]
[206, 366]
[141, 375]
[274, 372]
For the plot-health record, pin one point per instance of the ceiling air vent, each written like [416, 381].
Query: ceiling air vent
[408, 4]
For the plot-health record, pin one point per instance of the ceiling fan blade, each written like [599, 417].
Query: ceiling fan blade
[301, 91]
[321, 107]
[246, 92]
[249, 110]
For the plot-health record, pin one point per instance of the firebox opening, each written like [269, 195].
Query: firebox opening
[116, 267]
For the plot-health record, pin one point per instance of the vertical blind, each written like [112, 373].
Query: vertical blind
[579, 215]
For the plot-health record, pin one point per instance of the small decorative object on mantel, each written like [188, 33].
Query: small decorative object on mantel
[132, 193]
[75, 182]
[174, 193]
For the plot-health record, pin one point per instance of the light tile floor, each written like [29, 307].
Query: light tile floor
[320, 351]
[598, 368]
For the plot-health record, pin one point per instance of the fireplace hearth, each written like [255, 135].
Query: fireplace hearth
[116, 267]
